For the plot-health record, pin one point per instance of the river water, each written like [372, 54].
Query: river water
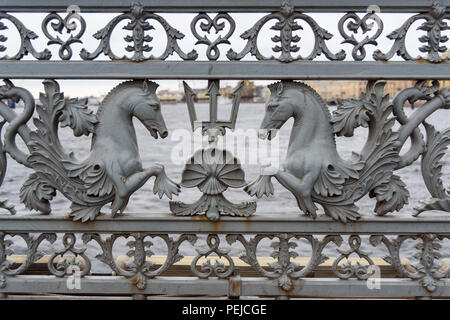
[162, 151]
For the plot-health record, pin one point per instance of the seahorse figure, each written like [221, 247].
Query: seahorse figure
[111, 172]
[313, 170]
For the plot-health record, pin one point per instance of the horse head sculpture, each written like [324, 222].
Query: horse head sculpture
[313, 170]
[111, 172]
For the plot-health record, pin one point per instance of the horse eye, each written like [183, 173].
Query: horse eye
[155, 106]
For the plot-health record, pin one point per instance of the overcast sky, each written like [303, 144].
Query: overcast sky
[244, 21]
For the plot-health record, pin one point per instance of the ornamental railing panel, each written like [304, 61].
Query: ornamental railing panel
[225, 237]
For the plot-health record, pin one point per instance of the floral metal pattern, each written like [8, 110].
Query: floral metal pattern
[139, 268]
[286, 25]
[428, 269]
[206, 25]
[355, 23]
[65, 262]
[32, 253]
[68, 23]
[138, 40]
[287, 21]
[434, 25]
[283, 268]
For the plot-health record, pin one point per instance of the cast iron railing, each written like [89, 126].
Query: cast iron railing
[314, 172]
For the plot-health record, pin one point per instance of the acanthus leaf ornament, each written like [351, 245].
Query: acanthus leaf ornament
[32, 253]
[139, 268]
[428, 268]
[138, 40]
[26, 36]
[286, 24]
[434, 24]
[437, 143]
[283, 268]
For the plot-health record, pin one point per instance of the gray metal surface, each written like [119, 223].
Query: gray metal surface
[217, 5]
[259, 223]
[262, 70]
[314, 172]
[286, 20]
[395, 288]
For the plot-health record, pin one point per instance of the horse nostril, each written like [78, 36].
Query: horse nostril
[164, 134]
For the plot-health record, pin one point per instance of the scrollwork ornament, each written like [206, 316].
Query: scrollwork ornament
[26, 36]
[32, 253]
[427, 270]
[218, 269]
[65, 263]
[283, 268]
[286, 24]
[139, 268]
[206, 24]
[355, 23]
[434, 25]
[347, 269]
[138, 40]
[69, 24]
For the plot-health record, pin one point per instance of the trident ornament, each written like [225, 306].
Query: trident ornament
[213, 170]
[213, 127]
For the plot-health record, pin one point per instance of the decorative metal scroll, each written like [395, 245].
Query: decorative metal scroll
[69, 24]
[355, 23]
[283, 268]
[434, 40]
[288, 22]
[423, 265]
[139, 268]
[213, 51]
[138, 40]
[32, 254]
[286, 25]
[428, 271]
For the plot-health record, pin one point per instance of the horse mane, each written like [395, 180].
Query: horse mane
[301, 85]
[116, 90]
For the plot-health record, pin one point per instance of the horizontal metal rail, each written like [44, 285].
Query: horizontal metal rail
[259, 223]
[308, 70]
[315, 287]
[218, 6]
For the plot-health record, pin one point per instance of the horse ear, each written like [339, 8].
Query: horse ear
[280, 89]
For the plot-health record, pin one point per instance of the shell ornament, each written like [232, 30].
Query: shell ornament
[213, 171]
